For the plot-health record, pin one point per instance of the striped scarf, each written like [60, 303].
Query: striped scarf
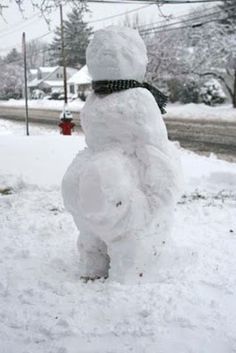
[107, 87]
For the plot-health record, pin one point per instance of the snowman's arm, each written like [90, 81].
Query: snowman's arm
[161, 174]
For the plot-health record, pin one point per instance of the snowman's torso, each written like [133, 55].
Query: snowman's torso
[127, 119]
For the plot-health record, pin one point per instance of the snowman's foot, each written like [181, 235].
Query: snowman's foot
[94, 260]
[86, 279]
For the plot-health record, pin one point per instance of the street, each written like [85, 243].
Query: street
[204, 136]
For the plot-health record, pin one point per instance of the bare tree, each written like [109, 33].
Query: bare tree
[131, 21]
[212, 52]
[165, 50]
[45, 7]
[37, 54]
[194, 51]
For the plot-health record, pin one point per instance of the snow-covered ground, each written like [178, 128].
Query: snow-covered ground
[45, 308]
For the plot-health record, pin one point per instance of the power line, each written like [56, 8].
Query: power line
[165, 22]
[22, 22]
[157, 2]
[17, 28]
[178, 22]
[200, 24]
[191, 19]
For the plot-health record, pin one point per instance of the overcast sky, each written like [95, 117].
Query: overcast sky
[12, 25]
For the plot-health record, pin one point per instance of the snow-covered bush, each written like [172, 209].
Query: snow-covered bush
[183, 91]
[212, 93]
[11, 78]
[37, 94]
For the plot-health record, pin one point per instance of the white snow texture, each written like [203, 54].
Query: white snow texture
[122, 189]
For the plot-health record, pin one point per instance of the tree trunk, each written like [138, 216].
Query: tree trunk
[234, 90]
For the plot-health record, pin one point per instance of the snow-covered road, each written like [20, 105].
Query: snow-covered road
[204, 136]
[44, 307]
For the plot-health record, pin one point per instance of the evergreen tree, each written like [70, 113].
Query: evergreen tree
[13, 57]
[76, 37]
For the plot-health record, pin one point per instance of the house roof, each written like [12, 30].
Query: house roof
[81, 77]
[71, 71]
[49, 72]
[33, 71]
[54, 83]
[48, 69]
[34, 83]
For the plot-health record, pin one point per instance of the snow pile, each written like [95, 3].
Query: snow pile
[122, 190]
[194, 111]
[44, 307]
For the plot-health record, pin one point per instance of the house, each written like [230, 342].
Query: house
[48, 79]
[33, 74]
[79, 85]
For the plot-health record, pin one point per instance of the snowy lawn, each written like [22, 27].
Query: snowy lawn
[45, 308]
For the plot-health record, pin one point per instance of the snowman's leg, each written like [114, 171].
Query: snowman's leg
[122, 253]
[134, 258]
[93, 261]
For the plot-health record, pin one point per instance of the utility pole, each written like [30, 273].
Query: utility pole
[66, 124]
[63, 56]
[26, 89]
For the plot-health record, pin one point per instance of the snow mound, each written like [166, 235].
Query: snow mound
[10, 183]
[194, 111]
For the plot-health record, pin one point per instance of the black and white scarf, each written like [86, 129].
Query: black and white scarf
[107, 87]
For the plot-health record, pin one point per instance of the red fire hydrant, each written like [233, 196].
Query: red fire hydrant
[66, 125]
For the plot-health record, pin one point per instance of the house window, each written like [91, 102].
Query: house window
[72, 89]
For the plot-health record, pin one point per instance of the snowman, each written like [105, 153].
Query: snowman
[121, 190]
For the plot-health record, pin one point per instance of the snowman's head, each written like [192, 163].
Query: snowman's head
[116, 53]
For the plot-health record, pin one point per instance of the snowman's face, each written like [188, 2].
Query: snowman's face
[117, 53]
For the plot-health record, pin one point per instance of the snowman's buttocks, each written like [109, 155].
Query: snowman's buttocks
[131, 116]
